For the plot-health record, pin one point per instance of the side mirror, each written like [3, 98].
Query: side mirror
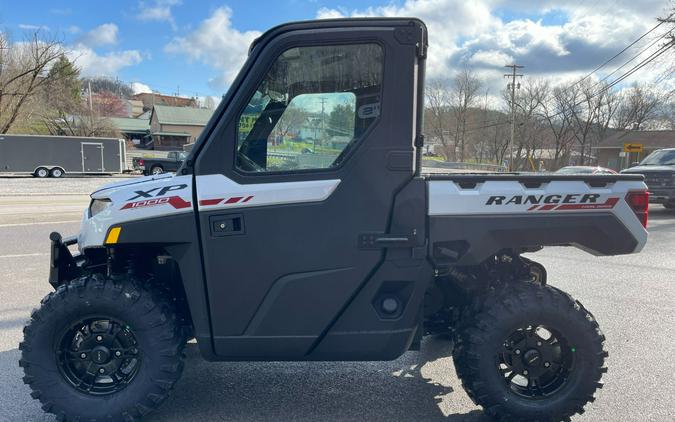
[635, 163]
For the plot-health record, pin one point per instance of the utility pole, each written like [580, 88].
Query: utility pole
[323, 122]
[512, 86]
[91, 107]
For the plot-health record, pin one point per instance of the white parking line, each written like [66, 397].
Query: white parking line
[24, 255]
[37, 223]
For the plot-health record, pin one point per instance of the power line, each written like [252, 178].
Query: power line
[661, 22]
[623, 51]
[628, 73]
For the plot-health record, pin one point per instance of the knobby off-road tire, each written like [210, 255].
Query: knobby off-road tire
[495, 346]
[141, 329]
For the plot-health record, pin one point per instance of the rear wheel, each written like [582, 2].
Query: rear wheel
[156, 170]
[531, 353]
[56, 172]
[669, 205]
[100, 349]
[41, 172]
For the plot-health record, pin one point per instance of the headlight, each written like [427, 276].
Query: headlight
[98, 205]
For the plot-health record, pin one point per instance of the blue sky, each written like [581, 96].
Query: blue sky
[197, 46]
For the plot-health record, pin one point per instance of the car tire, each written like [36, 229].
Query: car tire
[669, 205]
[56, 172]
[516, 374]
[155, 170]
[136, 358]
[41, 172]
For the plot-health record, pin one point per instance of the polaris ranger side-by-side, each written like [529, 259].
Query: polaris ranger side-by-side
[301, 228]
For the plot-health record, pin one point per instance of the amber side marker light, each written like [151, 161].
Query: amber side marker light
[639, 203]
[113, 235]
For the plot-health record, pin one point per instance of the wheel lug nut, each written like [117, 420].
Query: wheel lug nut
[517, 351]
[525, 372]
[83, 355]
[546, 364]
[99, 338]
[538, 343]
[118, 353]
[101, 371]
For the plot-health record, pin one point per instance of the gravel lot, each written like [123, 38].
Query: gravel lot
[633, 297]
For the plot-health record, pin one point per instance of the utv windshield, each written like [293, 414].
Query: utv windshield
[663, 157]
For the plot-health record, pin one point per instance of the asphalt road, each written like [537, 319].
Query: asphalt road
[633, 297]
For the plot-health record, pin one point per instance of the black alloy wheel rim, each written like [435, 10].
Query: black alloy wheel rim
[98, 356]
[536, 361]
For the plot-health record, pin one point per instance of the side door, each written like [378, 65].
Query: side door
[92, 157]
[310, 149]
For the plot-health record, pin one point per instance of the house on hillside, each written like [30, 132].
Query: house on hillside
[610, 151]
[134, 108]
[133, 130]
[173, 127]
[150, 99]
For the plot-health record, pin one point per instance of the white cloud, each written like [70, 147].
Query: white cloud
[490, 58]
[105, 34]
[326, 13]
[158, 10]
[73, 29]
[562, 39]
[139, 88]
[30, 27]
[448, 22]
[217, 44]
[109, 64]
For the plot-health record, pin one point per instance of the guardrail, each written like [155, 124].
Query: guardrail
[438, 166]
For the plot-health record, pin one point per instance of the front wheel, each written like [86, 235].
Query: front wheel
[531, 353]
[156, 170]
[101, 349]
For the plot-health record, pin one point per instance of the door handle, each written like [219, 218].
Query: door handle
[226, 225]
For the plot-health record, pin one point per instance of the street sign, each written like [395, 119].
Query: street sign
[633, 147]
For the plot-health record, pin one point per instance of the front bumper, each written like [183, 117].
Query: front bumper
[63, 266]
[661, 195]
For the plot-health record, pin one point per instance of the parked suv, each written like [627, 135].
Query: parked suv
[659, 171]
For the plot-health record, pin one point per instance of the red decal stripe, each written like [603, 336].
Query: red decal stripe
[178, 202]
[608, 204]
[547, 207]
[533, 207]
[234, 199]
[248, 198]
[213, 201]
[175, 201]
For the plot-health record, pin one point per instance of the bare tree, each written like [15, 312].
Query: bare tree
[437, 119]
[608, 106]
[556, 113]
[530, 128]
[464, 95]
[669, 22]
[638, 105]
[24, 71]
[585, 109]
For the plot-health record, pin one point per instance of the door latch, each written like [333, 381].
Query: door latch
[226, 225]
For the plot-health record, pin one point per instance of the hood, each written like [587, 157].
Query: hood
[111, 187]
[649, 169]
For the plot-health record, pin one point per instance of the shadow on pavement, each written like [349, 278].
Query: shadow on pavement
[282, 391]
[314, 391]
